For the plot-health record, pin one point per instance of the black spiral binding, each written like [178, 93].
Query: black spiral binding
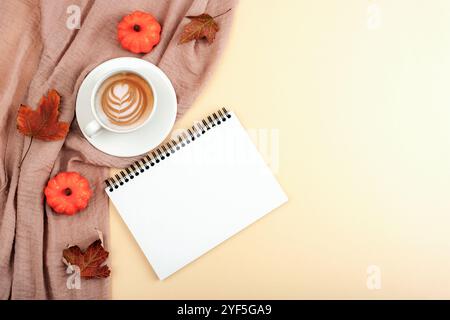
[167, 149]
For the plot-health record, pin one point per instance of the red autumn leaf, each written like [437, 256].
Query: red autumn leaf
[43, 123]
[90, 261]
[201, 26]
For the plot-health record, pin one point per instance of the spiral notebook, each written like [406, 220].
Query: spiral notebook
[194, 192]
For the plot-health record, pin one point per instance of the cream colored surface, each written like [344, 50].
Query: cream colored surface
[363, 113]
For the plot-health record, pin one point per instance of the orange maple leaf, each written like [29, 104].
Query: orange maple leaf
[43, 123]
[201, 26]
[90, 262]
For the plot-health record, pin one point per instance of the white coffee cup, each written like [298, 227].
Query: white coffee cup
[97, 125]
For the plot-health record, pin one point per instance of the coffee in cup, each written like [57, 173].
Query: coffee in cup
[122, 102]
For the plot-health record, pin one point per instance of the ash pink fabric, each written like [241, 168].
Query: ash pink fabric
[38, 52]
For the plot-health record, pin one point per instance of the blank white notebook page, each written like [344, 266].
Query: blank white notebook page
[199, 196]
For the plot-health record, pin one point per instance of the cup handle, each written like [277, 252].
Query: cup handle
[92, 128]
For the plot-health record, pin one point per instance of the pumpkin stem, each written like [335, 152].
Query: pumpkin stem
[67, 191]
[137, 28]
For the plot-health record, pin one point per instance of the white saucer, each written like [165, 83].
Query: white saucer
[151, 134]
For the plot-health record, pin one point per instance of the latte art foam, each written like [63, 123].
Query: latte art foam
[125, 100]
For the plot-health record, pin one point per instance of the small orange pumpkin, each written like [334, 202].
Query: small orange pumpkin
[67, 193]
[138, 32]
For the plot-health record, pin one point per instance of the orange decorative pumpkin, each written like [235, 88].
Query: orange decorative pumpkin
[138, 32]
[67, 193]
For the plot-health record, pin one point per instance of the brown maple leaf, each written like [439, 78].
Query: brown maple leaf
[43, 123]
[201, 26]
[90, 261]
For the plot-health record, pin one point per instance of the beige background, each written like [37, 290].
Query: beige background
[362, 107]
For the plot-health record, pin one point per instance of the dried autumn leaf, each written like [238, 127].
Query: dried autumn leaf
[201, 26]
[90, 262]
[43, 123]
